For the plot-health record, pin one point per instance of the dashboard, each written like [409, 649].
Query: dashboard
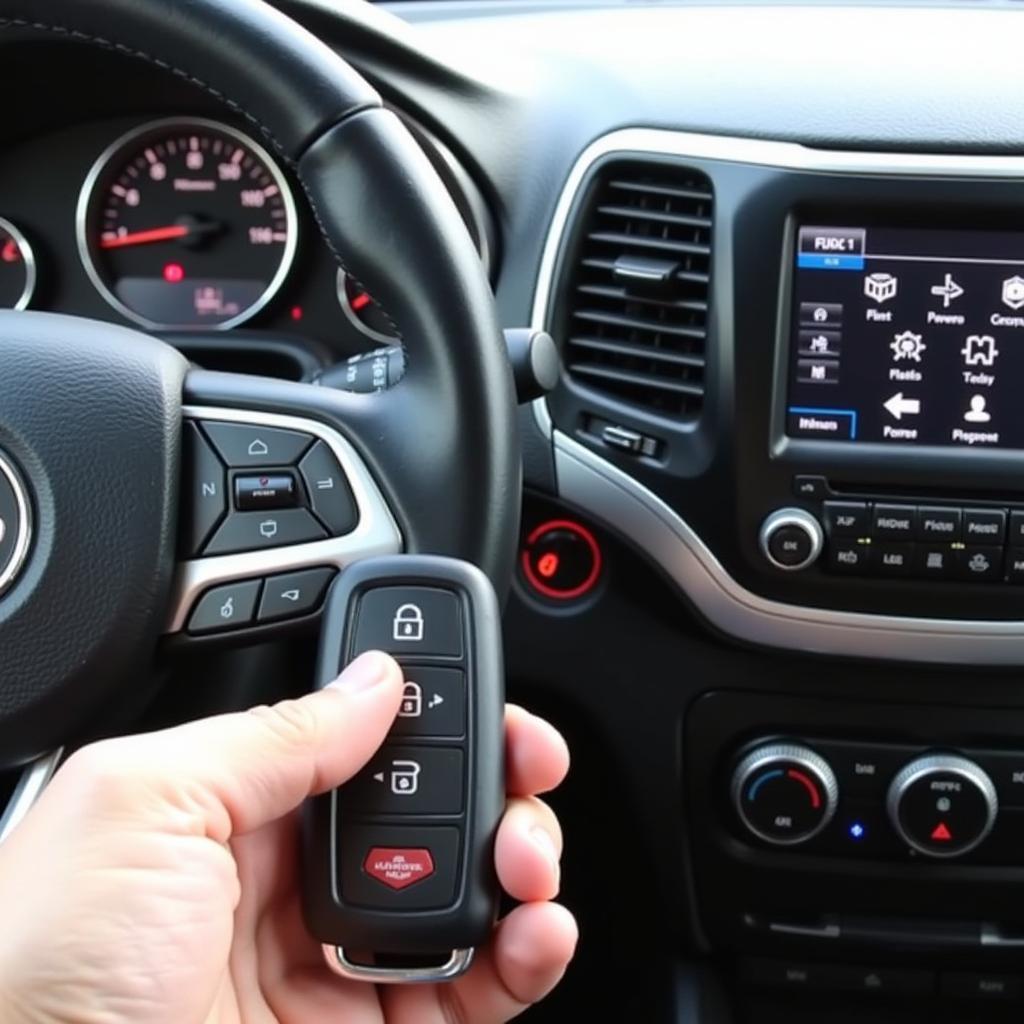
[773, 532]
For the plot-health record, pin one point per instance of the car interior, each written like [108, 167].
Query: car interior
[691, 324]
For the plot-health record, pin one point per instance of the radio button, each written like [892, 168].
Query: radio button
[814, 488]
[849, 556]
[1016, 534]
[935, 561]
[980, 563]
[893, 559]
[939, 524]
[894, 522]
[984, 526]
[847, 518]
[1015, 565]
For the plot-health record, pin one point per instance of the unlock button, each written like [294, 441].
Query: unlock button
[409, 621]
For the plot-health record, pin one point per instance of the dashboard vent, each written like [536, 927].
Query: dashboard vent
[635, 310]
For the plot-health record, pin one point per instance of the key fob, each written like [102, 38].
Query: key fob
[399, 881]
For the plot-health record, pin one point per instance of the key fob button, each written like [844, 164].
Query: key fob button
[433, 703]
[408, 780]
[398, 868]
[409, 621]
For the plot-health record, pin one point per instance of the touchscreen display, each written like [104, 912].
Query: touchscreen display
[908, 336]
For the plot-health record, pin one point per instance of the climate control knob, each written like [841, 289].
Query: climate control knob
[784, 794]
[791, 539]
[942, 805]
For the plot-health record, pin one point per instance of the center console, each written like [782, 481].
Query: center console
[852, 487]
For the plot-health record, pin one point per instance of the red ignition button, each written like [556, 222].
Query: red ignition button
[561, 560]
[398, 868]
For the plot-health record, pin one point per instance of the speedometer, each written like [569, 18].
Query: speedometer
[187, 224]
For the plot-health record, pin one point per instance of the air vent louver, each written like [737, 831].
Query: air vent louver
[634, 308]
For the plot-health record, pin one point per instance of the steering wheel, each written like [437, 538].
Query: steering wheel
[93, 482]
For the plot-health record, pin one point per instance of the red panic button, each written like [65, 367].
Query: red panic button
[398, 868]
[561, 560]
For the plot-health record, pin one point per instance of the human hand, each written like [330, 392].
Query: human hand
[156, 880]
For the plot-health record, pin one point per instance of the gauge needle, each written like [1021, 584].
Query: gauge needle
[166, 234]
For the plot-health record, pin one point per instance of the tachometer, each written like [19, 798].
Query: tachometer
[17, 268]
[187, 224]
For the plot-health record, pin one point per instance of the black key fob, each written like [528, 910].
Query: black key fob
[399, 880]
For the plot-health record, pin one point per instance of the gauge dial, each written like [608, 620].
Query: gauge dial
[17, 268]
[187, 224]
[364, 311]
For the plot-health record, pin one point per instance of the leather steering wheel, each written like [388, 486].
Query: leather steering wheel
[92, 416]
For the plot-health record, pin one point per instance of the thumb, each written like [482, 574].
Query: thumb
[234, 773]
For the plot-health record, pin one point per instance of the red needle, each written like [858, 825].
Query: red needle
[144, 237]
[361, 300]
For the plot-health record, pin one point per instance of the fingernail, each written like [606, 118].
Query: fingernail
[542, 839]
[366, 672]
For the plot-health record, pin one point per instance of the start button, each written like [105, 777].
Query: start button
[561, 560]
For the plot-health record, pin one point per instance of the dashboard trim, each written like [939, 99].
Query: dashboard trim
[592, 483]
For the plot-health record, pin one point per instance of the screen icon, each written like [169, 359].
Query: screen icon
[1013, 292]
[820, 343]
[948, 291]
[980, 350]
[821, 314]
[898, 406]
[907, 346]
[880, 287]
[977, 413]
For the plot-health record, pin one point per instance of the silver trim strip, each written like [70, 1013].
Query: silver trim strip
[116, 148]
[376, 534]
[34, 779]
[23, 540]
[458, 963]
[594, 484]
[28, 258]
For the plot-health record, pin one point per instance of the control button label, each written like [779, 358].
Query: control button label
[398, 868]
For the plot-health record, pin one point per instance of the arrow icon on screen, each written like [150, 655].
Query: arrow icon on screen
[898, 406]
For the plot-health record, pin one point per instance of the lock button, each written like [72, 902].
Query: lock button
[409, 621]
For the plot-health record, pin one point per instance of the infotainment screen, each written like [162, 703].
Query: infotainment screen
[908, 337]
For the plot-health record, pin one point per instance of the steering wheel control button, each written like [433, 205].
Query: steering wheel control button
[293, 594]
[561, 560]
[399, 868]
[247, 446]
[784, 794]
[409, 621]
[229, 607]
[252, 531]
[15, 524]
[791, 539]
[261, 491]
[409, 780]
[433, 703]
[207, 482]
[942, 805]
[329, 493]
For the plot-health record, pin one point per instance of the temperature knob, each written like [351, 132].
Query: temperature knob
[942, 805]
[784, 794]
[791, 539]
